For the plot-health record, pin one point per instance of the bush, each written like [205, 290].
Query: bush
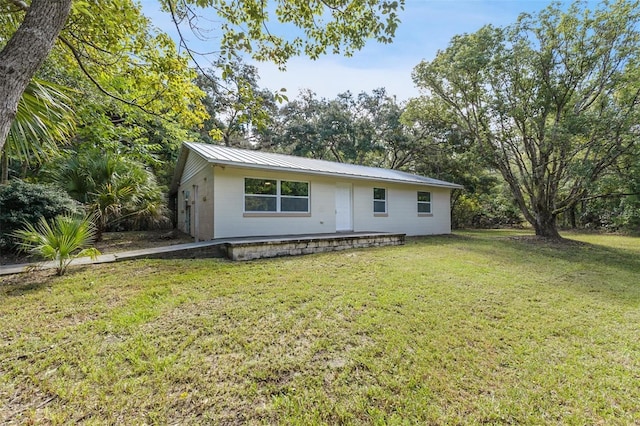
[121, 192]
[22, 202]
[485, 211]
[62, 240]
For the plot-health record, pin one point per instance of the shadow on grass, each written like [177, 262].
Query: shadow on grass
[595, 255]
[592, 258]
[20, 284]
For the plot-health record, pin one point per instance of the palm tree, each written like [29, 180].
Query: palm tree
[43, 120]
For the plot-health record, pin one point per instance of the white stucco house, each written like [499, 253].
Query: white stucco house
[223, 192]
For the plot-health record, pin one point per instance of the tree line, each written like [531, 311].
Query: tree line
[538, 120]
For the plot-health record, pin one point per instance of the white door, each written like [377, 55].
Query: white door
[343, 207]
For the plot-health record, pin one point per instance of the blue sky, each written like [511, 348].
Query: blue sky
[426, 27]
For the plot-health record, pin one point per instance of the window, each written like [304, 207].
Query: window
[424, 202]
[260, 195]
[271, 195]
[379, 200]
[294, 196]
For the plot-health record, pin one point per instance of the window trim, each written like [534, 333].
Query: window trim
[278, 197]
[276, 214]
[384, 213]
[428, 203]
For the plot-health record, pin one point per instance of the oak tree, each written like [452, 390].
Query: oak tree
[550, 102]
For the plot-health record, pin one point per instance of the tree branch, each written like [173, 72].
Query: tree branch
[19, 4]
[86, 72]
[190, 52]
[612, 195]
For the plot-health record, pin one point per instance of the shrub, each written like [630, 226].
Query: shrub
[118, 190]
[22, 202]
[485, 211]
[62, 240]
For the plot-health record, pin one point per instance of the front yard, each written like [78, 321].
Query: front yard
[478, 327]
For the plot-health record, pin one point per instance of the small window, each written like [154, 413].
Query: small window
[424, 202]
[379, 200]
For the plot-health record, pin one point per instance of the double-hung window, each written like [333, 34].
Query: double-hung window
[275, 196]
[379, 200]
[424, 202]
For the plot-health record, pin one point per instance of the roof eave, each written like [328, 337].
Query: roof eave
[321, 173]
[177, 174]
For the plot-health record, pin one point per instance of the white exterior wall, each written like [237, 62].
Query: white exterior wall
[402, 209]
[224, 217]
[201, 204]
[230, 220]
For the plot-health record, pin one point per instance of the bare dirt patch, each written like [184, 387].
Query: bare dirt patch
[113, 242]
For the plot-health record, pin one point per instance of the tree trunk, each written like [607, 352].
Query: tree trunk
[4, 166]
[25, 52]
[572, 216]
[545, 224]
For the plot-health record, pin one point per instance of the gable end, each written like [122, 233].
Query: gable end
[192, 166]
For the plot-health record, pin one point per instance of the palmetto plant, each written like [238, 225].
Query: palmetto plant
[116, 189]
[44, 119]
[62, 240]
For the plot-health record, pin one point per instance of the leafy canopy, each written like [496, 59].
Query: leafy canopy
[115, 47]
[274, 31]
[550, 102]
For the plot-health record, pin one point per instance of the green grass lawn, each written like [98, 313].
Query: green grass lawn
[478, 327]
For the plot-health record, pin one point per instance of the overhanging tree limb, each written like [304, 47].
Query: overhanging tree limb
[19, 4]
[25, 51]
[97, 84]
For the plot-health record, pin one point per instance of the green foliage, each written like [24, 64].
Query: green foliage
[127, 57]
[22, 202]
[484, 211]
[44, 119]
[62, 240]
[132, 89]
[617, 207]
[363, 129]
[339, 27]
[550, 101]
[237, 107]
[113, 46]
[117, 190]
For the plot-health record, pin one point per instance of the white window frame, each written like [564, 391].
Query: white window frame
[278, 197]
[266, 196]
[299, 197]
[426, 203]
[377, 200]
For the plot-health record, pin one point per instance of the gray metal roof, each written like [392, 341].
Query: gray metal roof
[217, 154]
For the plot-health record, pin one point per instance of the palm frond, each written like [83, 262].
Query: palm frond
[43, 120]
[65, 238]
